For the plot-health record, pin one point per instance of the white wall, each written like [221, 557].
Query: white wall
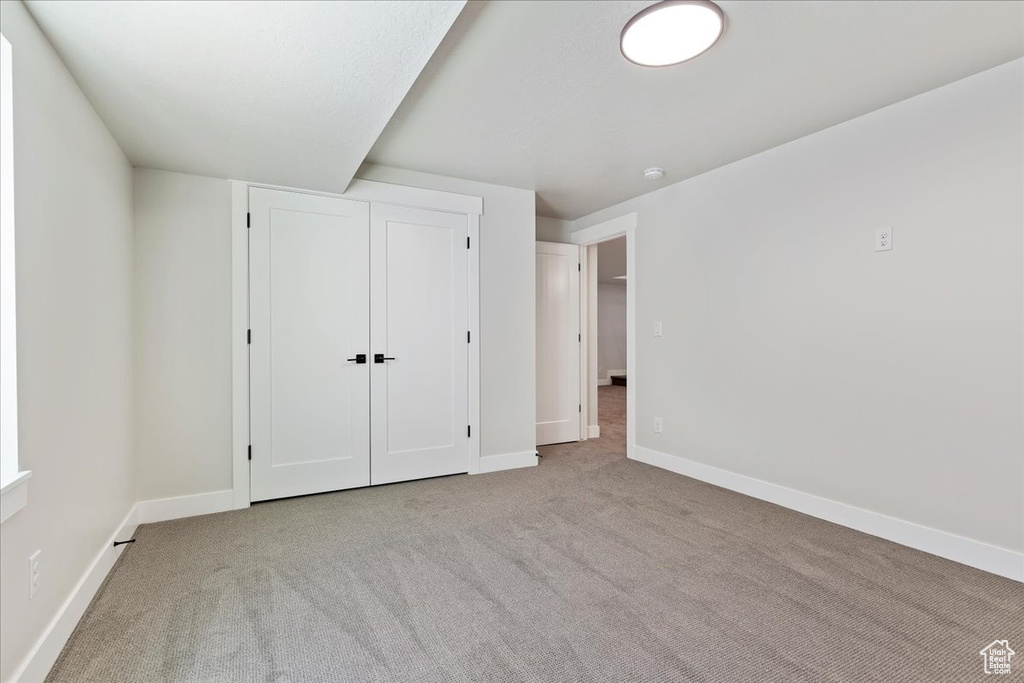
[553, 230]
[73, 209]
[183, 332]
[795, 354]
[611, 328]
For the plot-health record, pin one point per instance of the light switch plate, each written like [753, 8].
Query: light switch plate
[883, 239]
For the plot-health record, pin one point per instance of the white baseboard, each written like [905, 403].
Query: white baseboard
[163, 509]
[616, 372]
[594, 432]
[41, 658]
[604, 382]
[996, 560]
[507, 461]
[39, 661]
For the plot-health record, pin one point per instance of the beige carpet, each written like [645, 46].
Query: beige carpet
[589, 567]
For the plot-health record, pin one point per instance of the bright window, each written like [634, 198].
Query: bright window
[13, 489]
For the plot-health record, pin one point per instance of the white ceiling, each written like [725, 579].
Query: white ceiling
[291, 93]
[536, 94]
[611, 261]
[528, 94]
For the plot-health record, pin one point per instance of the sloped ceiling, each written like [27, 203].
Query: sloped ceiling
[528, 94]
[291, 93]
[536, 94]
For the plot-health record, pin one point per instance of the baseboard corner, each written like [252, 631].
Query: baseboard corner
[178, 507]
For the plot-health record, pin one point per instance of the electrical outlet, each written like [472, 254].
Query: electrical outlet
[883, 239]
[657, 329]
[33, 573]
[657, 425]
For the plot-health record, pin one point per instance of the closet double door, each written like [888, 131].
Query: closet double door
[358, 358]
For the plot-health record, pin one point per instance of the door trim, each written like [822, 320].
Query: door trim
[239, 345]
[371, 192]
[595, 234]
[400, 195]
[586, 301]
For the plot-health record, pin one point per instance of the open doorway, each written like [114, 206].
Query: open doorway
[586, 331]
[607, 349]
[608, 294]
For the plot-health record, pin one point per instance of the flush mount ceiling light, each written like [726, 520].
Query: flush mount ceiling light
[654, 173]
[671, 32]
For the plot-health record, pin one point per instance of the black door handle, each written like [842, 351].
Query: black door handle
[379, 358]
[359, 359]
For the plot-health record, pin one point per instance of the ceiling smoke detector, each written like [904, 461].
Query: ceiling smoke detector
[654, 173]
[671, 32]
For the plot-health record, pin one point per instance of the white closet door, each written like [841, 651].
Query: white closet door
[419, 320]
[309, 314]
[558, 343]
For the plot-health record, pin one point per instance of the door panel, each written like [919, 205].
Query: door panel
[419, 399]
[558, 343]
[309, 314]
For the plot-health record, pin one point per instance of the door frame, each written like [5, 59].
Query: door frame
[624, 225]
[361, 190]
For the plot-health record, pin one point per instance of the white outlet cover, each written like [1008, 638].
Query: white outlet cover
[657, 425]
[657, 329]
[883, 239]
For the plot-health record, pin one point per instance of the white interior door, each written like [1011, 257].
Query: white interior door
[558, 343]
[309, 260]
[419, 324]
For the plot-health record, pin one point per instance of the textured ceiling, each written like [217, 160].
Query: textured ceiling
[536, 94]
[292, 93]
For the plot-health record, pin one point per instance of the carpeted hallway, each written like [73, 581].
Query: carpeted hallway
[589, 567]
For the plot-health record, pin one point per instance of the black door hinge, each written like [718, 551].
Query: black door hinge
[579, 338]
[248, 220]
[581, 408]
[579, 268]
[250, 451]
[467, 242]
[467, 337]
[248, 336]
[469, 431]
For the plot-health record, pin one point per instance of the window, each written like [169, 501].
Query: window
[13, 482]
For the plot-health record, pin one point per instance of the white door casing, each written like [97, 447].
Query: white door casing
[419, 321]
[309, 314]
[621, 226]
[558, 343]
